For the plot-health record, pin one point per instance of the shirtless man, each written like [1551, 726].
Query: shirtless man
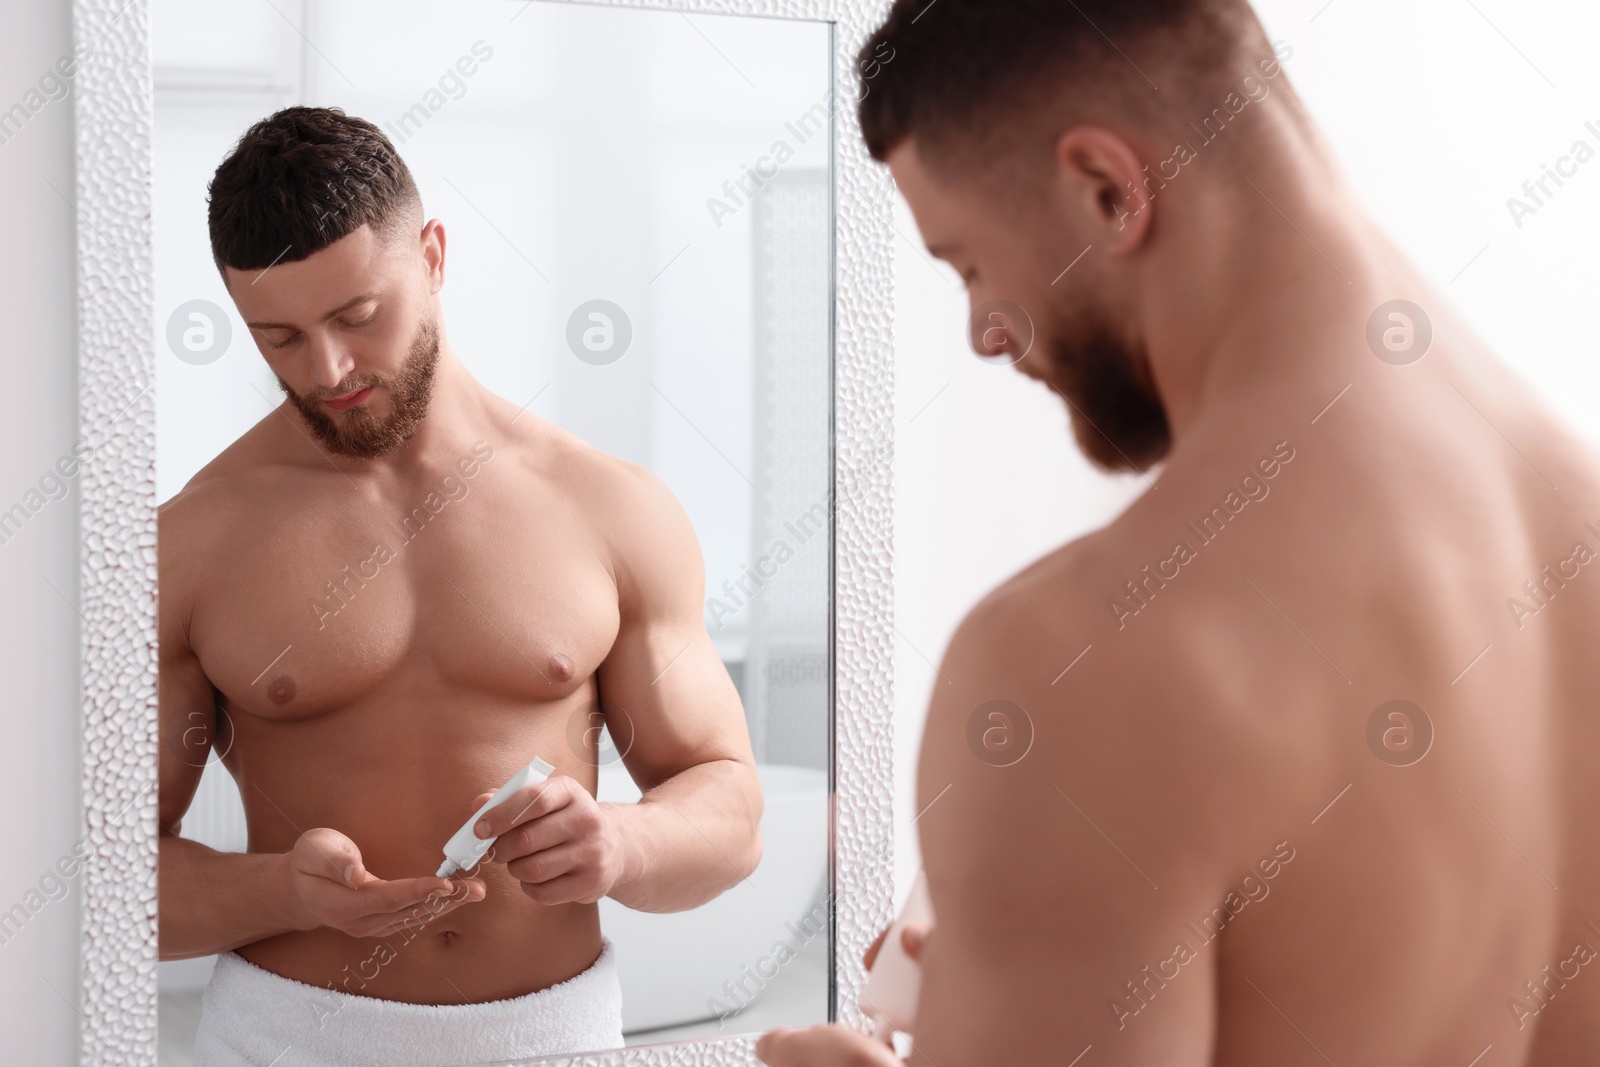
[1174, 817]
[389, 595]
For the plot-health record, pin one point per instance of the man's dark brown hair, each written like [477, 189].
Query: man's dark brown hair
[978, 82]
[301, 179]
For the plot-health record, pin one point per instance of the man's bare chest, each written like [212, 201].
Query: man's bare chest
[312, 609]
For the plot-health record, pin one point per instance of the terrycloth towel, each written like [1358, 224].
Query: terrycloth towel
[251, 1017]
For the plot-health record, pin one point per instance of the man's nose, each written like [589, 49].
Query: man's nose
[331, 362]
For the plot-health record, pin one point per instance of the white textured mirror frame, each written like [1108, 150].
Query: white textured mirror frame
[116, 411]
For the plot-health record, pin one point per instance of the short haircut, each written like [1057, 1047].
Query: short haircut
[978, 83]
[301, 179]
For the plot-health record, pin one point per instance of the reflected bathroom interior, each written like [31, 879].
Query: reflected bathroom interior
[593, 153]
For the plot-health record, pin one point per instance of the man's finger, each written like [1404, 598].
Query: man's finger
[546, 865]
[529, 802]
[872, 949]
[914, 938]
[379, 896]
[338, 858]
[822, 1046]
[398, 922]
[419, 915]
[465, 891]
[534, 836]
[563, 889]
[767, 1043]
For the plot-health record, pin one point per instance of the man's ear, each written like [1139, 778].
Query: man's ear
[432, 239]
[1102, 177]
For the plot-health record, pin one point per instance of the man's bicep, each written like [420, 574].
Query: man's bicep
[665, 691]
[1048, 940]
[188, 724]
[1061, 914]
[1027, 965]
[668, 701]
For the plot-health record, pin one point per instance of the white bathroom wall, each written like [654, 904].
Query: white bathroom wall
[1439, 111]
[40, 770]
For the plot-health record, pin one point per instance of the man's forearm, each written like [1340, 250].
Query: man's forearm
[689, 838]
[214, 901]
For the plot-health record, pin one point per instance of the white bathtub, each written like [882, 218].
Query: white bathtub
[671, 965]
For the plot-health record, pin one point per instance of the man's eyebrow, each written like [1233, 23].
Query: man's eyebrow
[346, 306]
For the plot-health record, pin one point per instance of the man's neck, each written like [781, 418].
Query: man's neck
[1276, 278]
[458, 414]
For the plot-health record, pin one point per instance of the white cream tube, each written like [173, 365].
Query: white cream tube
[463, 851]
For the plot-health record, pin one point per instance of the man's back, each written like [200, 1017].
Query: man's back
[1293, 762]
[1301, 779]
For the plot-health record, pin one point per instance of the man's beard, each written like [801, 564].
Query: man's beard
[357, 431]
[1117, 416]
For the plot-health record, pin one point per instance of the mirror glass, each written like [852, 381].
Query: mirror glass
[639, 261]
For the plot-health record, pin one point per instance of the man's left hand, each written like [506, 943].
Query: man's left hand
[559, 842]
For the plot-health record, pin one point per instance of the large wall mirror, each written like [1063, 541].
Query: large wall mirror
[640, 214]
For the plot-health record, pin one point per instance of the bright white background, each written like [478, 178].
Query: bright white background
[1435, 114]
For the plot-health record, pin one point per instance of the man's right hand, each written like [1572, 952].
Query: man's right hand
[332, 888]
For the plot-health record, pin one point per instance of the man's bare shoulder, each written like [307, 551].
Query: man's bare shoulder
[231, 480]
[193, 525]
[642, 524]
[1045, 634]
[606, 486]
[250, 491]
[218, 484]
[1146, 732]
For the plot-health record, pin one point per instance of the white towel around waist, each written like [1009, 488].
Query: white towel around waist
[251, 1017]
